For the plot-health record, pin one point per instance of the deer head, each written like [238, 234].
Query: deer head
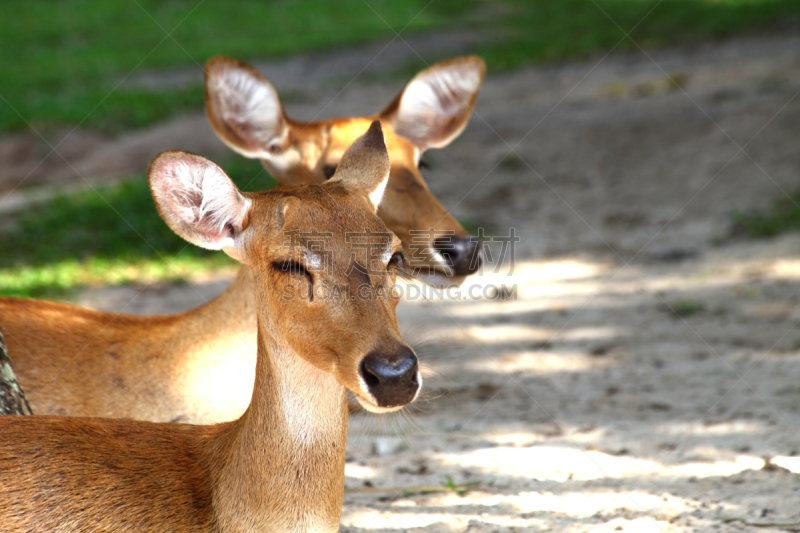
[244, 110]
[324, 263]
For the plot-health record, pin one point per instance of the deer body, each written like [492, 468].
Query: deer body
[280, 466]
[271, 470]
[198, 367]
[195, 367]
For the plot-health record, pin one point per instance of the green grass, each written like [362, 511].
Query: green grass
[685, 308]
[109, 235]
[59, 61]
[537, 31]
[783, 216]
[461, 490]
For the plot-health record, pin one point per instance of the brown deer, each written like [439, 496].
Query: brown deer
[432, 110]
[280, 467]
[198, 366]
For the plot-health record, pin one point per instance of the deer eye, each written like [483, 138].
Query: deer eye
[423, 164]
[328, 171]
[398, 260]
[293, 268]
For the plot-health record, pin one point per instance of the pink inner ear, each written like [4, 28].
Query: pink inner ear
[436, 105]
[248, 106]
[197, 200]
[452, 90]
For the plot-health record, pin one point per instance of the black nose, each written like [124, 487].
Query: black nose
[391, 378]
[463, 255]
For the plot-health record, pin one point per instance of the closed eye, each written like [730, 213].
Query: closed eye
[293, 268]
[398, 260]
[399, 265]
[328, 171]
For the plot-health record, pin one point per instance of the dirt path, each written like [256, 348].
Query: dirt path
[586, 404]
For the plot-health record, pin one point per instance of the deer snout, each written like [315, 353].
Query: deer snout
[462, 254]
[391, 378]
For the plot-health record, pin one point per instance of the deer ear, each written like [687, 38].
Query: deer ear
[434, 107]
[364, 167]
[199, 201]
[244, 109]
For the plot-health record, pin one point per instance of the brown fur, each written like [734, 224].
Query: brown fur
[196, 366]
[275, 468]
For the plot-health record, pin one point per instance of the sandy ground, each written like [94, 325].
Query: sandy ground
[582, 402]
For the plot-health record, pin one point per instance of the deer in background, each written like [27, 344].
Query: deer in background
[198, 366]
[432, 110]
[280, 467]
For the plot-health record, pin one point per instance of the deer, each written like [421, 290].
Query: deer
[199, 366]
[280, 467]
[245, 111]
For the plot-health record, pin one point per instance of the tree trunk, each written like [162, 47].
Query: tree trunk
[12, 397]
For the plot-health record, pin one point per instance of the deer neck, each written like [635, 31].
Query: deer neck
[208, 355]
[285, 468]
[235, 307]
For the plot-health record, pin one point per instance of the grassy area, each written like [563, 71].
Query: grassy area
[537, 31]
[783, 216]
[59, 61]
[685, 308]
[105, 236]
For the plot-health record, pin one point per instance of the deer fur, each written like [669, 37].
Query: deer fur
[280, 467]
[198, 366]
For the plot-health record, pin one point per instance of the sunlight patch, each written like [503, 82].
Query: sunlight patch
[722, 428]
[791, 464]
[539, 362]
[359, 472]
[556, 463]
[523, 333]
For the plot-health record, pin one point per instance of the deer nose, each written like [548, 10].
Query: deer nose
[393, 380]
[462, 254]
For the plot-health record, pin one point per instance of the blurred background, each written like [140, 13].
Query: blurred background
[645, 375]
